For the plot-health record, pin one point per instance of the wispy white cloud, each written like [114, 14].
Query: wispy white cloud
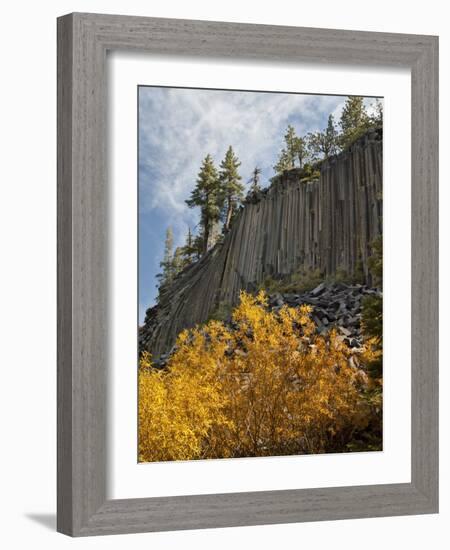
[178, 127]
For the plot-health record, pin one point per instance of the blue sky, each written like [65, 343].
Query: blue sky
[179, 127]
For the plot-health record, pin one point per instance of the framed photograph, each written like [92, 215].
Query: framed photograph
[247, 274]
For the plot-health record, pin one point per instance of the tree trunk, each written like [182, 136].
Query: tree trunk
[229, 214]
[206, 238]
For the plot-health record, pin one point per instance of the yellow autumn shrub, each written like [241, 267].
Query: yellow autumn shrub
[267, 385]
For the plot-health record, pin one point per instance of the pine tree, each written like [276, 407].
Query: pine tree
[284, 162]
[300, 151]
[189, 250]
[178, 262]
[207, 196]
[377, 117]
[295, 151]
[331, 135]
[198, 246]
[324, 144]
[290, 139]
[354, 120]
[231, 188]
[254, 180]
[167, 274]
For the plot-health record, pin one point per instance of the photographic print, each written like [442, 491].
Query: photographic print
[260, 274]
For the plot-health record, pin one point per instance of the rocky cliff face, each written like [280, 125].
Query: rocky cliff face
[327, 224]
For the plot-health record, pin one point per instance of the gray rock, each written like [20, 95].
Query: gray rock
[318, 289]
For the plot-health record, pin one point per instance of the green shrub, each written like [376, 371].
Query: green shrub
[375, 261]
[299, 281]
[221, 313]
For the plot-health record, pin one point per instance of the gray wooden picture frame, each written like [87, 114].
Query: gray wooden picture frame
[83, 41]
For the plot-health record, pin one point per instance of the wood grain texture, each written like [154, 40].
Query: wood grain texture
[425, 272]
[64, 300]
[83, 40]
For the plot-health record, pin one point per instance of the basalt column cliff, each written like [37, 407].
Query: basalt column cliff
[326, 224]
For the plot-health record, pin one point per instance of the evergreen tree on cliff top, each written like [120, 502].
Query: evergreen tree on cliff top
[377, 116]
[301, 153]
[167, 274]
[294, 151]
[207, 195]
[178, 261]
[284, 162]
[231, 188]
[254, 180]
[190, 252]
[324, 144]
[354, 121]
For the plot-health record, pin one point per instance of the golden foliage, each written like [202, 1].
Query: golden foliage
[270, 385]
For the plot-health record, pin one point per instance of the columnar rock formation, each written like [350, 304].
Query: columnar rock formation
[327, 224]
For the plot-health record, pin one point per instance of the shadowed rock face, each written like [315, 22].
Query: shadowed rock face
[327, 224]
